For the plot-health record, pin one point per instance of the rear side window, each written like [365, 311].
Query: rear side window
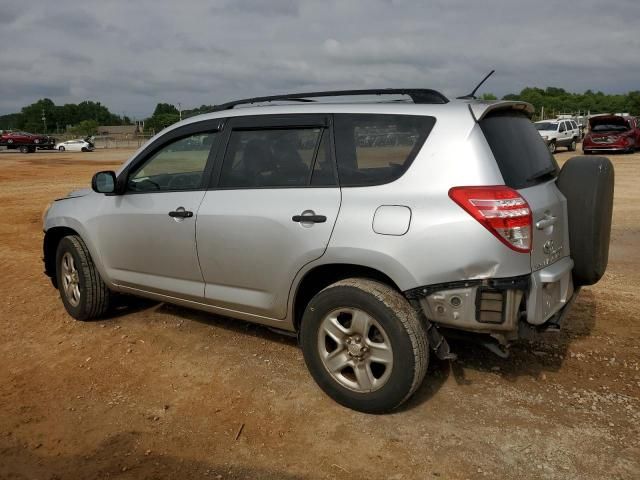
[282, 157]
[522, 156]
[377, 149]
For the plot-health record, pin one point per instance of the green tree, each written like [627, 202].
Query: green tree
[84, 128]
[488, 96]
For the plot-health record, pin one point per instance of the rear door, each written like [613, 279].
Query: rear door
[270, 211]
[527, 166]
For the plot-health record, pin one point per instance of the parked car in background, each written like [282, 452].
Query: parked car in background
[78, 145]
[26, 142]
[615, 133]
[559, 133]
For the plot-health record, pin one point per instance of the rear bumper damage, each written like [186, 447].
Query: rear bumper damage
[504, 309]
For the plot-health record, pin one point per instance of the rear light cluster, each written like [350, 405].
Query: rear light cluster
[501, 210]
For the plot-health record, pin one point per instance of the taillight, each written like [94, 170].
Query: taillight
[501, 210]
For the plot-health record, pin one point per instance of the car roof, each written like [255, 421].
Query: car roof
[479, 108]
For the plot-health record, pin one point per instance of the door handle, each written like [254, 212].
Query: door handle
[546, 222]
[181, 214]
[309, 218]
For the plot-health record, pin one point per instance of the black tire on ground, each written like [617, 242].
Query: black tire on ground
[83, 149]
[61, 148]
[587, 183]
[405, 333]
[572, 145]
[32, 149]
[95, 296]
[24, 149]
[552, 146]
[587, 152]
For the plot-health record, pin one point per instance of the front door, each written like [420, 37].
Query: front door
[147, 235]
[271, 211]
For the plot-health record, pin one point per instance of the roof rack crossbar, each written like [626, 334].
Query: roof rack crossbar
[418, 95]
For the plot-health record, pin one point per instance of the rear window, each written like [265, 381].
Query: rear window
[373, 149]
[521, 154]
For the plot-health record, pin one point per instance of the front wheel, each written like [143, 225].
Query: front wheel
[552, 147]
[84, 295]
[24, 149]
[572, 145]
[364, 345]
[61, 148]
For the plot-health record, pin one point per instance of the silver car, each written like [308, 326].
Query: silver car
[374, 230]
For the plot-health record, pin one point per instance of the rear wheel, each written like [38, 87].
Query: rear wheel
[24, 149]
[572, 145]
[552, 146]
[364, 345]
[61, 148]
[83, 293]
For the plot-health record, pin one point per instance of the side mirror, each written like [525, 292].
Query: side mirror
[104, 182]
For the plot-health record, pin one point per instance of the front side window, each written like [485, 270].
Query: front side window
[282, 157]
[178, 165]
[373, 149]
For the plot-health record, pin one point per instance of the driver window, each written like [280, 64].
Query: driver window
[178, 165]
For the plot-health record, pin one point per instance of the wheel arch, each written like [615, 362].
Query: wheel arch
[321, 276]
[50, 244]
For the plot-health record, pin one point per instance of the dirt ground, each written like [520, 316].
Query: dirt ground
[159, 391]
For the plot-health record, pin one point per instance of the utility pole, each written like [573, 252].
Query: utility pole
[44, 121]
[180, 110]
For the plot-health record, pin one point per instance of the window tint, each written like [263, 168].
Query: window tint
[274, 158]
[521, 154]
[376, 149]
[178, 165]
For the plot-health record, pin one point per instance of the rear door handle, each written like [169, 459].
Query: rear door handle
[309, 218]
[546, 222]
[181, 213]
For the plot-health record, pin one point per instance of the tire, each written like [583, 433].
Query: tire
[572, 145]
[587, 183]
[587, 152]
[24, 149]
[83, 149]
[32, 149]
[61, 149]
[552, 146]
[394, 335]
[84, 295]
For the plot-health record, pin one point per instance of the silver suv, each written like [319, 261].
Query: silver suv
[376, 231]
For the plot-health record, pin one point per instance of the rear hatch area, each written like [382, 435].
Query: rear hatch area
[528, 167]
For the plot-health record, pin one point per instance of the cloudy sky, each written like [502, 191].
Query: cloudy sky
[133, 54]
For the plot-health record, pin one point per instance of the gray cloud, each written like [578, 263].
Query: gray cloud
[131, 55]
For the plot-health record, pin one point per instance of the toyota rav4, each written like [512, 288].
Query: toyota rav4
[375, 231]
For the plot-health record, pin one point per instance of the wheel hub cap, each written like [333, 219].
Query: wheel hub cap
[355, 349]
[70, 279]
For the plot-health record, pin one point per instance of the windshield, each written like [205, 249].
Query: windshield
[546, 126]
[610, 127]
[523, 158]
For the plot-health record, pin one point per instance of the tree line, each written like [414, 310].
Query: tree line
[83, 118]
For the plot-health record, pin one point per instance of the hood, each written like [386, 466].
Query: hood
[76, 193]
[608, 123]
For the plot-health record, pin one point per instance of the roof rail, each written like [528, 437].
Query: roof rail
[418, 95]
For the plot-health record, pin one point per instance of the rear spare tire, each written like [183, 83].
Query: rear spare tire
[587, 184]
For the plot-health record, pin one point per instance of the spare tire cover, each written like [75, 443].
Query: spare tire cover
[587, 184]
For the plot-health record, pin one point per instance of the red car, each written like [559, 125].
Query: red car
[26, 142]
[612, 133]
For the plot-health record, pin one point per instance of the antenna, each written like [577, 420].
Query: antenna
[472, 95]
